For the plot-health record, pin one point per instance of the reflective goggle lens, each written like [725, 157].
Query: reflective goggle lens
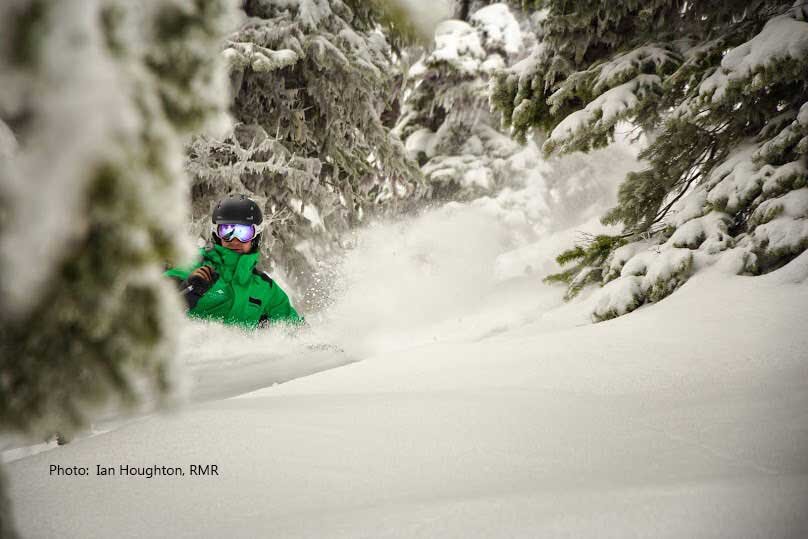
[228, 231]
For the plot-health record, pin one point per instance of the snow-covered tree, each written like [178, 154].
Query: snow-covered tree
[446, 122]
[720, 88]
[98, 97]
[463, 9]
[311, 82]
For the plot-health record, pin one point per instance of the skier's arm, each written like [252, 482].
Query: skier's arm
[279, 309]
[194, 285]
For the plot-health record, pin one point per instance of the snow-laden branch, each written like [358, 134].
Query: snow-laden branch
[601, 115]
[782, 40]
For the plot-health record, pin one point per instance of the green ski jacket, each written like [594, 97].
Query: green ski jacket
[241, 295]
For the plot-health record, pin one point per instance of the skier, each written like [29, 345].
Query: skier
[225, 284]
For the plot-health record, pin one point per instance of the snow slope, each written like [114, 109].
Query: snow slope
[484, 407]
[672, 421]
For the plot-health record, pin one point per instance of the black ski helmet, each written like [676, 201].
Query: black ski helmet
[240, 210]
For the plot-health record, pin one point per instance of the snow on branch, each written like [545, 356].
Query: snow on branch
[782, 40]
[499, 27]
[581, 128]
[458, 44]
[260, 59]
[658, 59]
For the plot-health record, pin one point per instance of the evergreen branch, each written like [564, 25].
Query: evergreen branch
[697, 171]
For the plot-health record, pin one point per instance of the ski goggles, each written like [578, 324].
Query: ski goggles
[243, 233]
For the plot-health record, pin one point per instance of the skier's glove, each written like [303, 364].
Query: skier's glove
[202, 276]
[197, 283]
